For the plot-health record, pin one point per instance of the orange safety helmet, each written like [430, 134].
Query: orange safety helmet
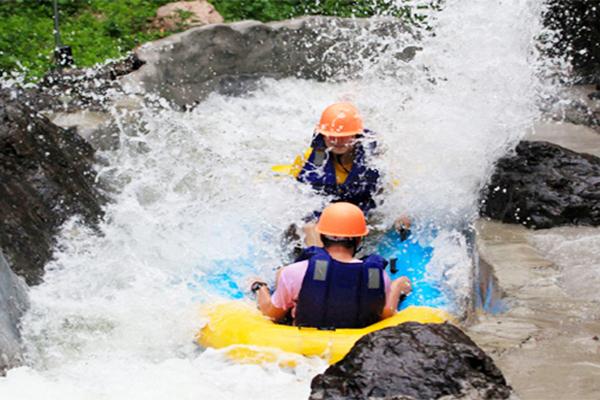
[342, 220]
[339, 120]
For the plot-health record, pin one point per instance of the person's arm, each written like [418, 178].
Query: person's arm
[263, 299]
[299, 162]
[398, 287]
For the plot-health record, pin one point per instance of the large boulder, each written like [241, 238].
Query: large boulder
[229, 58]
[412, 361]
[45, 177]
[544, 185]
[13, 303]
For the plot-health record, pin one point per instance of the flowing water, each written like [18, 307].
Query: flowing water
[117, 313]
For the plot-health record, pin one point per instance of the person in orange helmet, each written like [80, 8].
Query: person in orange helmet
[328, 287]
[337, 164]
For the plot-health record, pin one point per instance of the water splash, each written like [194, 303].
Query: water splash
[116, 317]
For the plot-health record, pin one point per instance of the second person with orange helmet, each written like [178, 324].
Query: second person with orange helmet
[338, 163]
[330, 288]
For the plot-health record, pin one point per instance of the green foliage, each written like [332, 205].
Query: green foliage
[272, 10]
[261, 10]
[96, 30]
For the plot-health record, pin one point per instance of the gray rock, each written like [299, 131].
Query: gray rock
[228, 58]
[76, 89]
[580, 113]
[544, 185]
[412, 361]
[13, 303]
[575, 111]
[97, 128]
[45, 177]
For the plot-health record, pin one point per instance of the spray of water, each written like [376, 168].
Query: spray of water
[117, 314]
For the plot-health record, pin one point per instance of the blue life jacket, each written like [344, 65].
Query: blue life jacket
[362, 181]
[336, 294]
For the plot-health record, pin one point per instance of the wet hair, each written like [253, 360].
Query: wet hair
[350, 243]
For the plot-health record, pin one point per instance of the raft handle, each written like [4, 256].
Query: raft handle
[319, 328]
[326, 328]
[393, 268]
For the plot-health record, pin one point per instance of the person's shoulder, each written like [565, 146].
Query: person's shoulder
[299, 266]
[292, 275]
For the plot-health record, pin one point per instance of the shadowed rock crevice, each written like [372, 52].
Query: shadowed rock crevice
[46, 178]
[412, 361]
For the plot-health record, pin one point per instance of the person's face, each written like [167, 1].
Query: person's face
[340, 145]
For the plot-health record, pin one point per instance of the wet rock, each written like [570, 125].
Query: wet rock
[76, 89]
[13, 303]
[217, 57]
[45, 177]
[98, 128]
[185, 14]
[412, 361]
[577, 105]
[577, 23]
[544, 185]
[580, 113]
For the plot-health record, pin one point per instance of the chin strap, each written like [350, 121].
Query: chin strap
[357, 246]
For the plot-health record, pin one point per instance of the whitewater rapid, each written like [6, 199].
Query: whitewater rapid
[117, 313]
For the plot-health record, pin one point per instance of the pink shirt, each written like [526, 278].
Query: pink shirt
[290, 281]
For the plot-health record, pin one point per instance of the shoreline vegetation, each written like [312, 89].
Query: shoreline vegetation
[101, 30]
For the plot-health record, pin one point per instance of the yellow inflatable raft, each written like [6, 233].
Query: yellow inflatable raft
[251, 337]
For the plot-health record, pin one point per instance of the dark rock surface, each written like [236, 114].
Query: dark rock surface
[412, 361]
[577, 23]
[231, 58]
[45, 177]
[544, 185]
[13, 303]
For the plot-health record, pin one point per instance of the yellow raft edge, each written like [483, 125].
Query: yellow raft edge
[249, 337]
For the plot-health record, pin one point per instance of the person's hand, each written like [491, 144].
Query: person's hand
[402, 222]
[402, 285]
[402, 226]
[255, 283]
